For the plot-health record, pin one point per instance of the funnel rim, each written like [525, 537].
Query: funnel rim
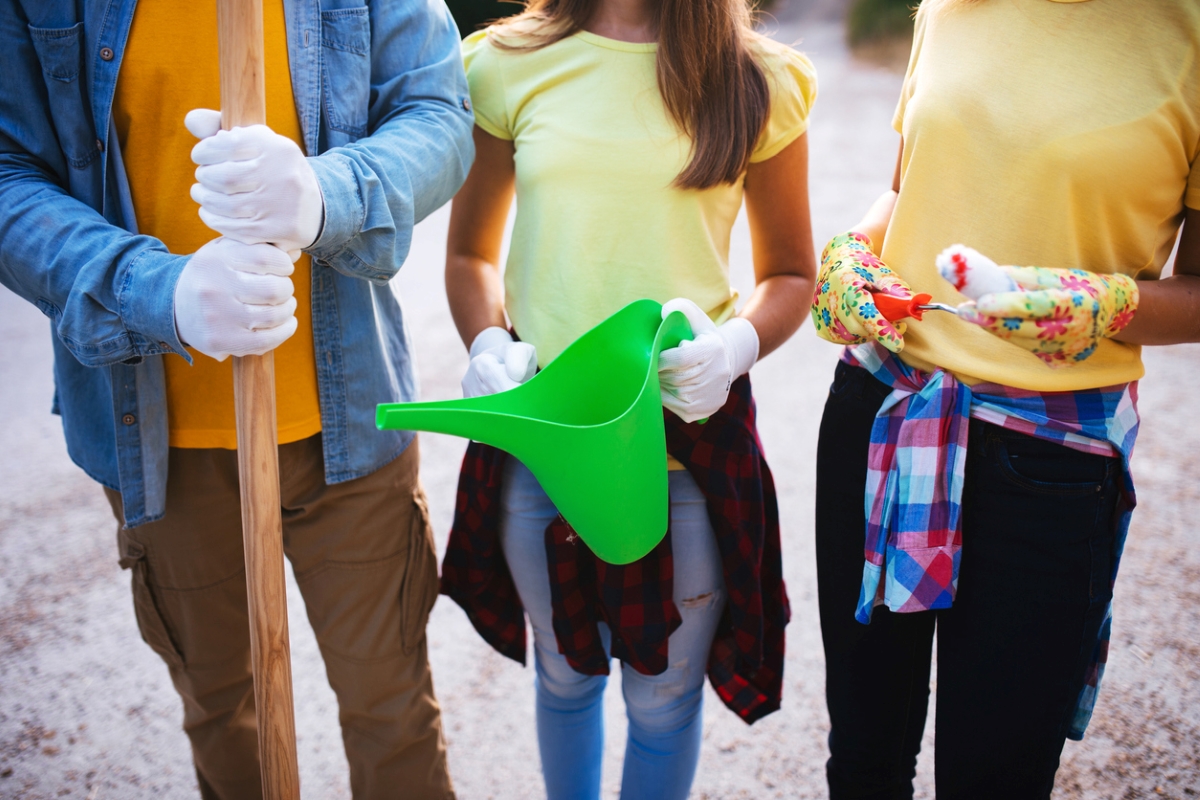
[651, 369]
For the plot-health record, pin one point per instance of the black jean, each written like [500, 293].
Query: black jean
[1039, 534]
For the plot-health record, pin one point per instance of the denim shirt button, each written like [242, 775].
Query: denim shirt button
[100, 145]
[129, 419]
[106, 54]
[466, 104]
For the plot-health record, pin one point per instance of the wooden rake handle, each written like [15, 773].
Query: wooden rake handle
[244, 102]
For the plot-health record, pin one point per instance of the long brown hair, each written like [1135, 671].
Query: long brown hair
[709, 81]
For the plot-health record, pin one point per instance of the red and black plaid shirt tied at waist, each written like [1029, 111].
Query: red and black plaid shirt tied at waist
[725, 458]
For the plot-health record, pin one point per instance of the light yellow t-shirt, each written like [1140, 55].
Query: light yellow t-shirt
[170, 67]
[1045, 134]
[599, 224]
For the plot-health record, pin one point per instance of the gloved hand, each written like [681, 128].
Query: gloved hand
[1059, 315]
[498, 363]
[254, 185]
[695, 377]
[235, 299]
[843, 311]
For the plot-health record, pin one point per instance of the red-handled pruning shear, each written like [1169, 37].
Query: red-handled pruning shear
[894, 308]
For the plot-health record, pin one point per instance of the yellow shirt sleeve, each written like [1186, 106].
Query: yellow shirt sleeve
[910, 75]
[793, 84]
[486, 81]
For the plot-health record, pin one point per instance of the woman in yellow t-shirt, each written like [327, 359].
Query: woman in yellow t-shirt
[1061, 136]
[630, 132]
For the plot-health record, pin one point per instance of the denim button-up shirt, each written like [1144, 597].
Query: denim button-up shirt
[382, 99]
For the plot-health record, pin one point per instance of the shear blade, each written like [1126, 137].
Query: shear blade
[938, 307]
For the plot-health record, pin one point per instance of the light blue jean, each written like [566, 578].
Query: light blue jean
[664, 711]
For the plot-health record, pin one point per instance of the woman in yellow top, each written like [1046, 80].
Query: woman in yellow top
[986, 450]
[630, 132]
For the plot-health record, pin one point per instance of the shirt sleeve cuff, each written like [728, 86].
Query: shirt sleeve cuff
[492, 128]
[780, 144]
[344, 209]
[1191, 198]
[147, 302]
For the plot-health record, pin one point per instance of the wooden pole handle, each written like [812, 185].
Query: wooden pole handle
[244, 102]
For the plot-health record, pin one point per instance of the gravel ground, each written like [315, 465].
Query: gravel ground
[86, 710]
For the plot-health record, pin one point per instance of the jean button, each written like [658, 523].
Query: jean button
[106, 54]
[129, 419]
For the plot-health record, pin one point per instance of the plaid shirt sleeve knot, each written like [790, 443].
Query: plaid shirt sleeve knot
[916, 467]
[725, 458]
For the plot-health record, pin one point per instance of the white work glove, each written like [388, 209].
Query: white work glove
[695, 376]
[235, 299]
[254, 186]
[498, 363]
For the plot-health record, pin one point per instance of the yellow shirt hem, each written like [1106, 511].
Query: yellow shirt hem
[494, 130]
[780, 144]
[227, 440]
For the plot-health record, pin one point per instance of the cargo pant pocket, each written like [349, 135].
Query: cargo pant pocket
[364, 611]
[150, 620]
[419, 590]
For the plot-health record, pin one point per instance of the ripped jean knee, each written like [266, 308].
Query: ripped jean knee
[671, 700]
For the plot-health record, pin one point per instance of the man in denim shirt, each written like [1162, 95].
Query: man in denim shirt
[98, 231]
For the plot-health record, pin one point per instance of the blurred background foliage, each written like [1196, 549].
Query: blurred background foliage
[471, 15]
[878, 30]
[873, 21]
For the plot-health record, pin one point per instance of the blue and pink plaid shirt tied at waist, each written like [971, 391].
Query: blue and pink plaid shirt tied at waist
[916, 469]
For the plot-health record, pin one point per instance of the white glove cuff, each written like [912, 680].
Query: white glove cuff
[488, 338]
[742, 338]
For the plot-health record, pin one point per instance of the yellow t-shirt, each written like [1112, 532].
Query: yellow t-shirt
[170, 67]
[1045, 134]
[599, 224]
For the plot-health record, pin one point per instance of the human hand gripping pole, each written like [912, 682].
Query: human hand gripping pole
[254, 185]
[235, 299]
[243, 99]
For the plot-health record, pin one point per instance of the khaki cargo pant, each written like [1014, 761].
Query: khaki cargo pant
[364, 558]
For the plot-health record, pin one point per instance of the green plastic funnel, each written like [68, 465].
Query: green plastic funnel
[589, 426]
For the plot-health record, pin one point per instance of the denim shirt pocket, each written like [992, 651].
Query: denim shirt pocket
[346, 72]
[60, 52]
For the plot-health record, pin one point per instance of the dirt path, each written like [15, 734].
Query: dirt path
[87, 711]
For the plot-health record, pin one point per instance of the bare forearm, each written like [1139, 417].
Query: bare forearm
[781, 232]
[1168, 312]
[878, 216]
[473, 283]
[776, 309]
[476, 294]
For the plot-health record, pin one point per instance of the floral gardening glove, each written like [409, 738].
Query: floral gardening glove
[1059, 315]
[843, 310]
